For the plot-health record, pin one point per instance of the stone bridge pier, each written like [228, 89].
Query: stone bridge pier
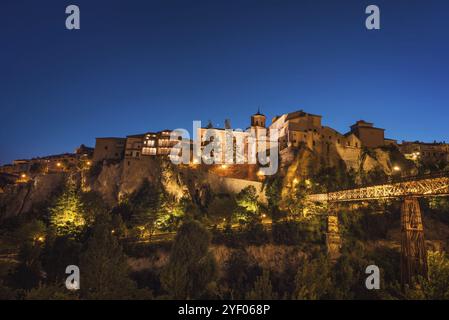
[333, 239]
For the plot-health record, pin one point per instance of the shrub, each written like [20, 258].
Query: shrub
[255, 234]
[287, 232]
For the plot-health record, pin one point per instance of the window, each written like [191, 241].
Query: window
[149, 151]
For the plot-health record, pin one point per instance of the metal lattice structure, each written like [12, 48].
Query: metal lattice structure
[413, 247]
[419, 187]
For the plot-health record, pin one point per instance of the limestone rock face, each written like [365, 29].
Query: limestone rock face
[135, 171]
[172, 180]
[107, 183]
[116, 180]
[20, 198]
[368, 163]
[305, 162]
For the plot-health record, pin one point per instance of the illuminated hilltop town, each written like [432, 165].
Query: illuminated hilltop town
[296, 129]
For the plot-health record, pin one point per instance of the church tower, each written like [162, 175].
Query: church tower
[258, 120]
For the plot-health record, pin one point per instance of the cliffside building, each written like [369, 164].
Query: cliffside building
[109, 149]
[425, 152]
[369, 135]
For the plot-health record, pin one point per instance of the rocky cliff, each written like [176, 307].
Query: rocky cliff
[115, 180]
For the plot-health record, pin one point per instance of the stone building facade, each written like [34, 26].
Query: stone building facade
[369, 135]
[425, 152]
[109, 149]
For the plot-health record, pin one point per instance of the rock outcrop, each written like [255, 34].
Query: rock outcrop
[115, 180]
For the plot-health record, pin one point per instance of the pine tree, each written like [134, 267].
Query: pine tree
[67, 215]
[191, 267]
[103, 267]
[146, 205]
[263, 289]
[247, 205]
[313, 280]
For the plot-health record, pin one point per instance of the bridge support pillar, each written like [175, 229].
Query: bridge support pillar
[413, 247]
[333, 239]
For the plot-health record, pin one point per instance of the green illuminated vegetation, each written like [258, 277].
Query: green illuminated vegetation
[191, 267]
[67, 214]
[210, 245]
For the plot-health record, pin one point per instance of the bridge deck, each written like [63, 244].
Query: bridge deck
[436, 185]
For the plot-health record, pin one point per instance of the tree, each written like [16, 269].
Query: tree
[273, 190]
[240, 273]
[103, 267]
[93, 206]
[263, 289]
[58, 253]
[287, 232]
[67, 214]
[171, 212]
[28, 273]
[33, 231]
[247, 205]
[146, 207]
[51, 292]
[436, 287]
[313, 279]
[221, 209]
[191, 267]
[295, 200]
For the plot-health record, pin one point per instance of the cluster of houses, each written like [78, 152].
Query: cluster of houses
[294, 129]
[22, 170]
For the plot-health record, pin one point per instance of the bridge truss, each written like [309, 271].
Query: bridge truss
[413, 248]
[435, 186]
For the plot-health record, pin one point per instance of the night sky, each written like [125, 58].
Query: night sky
[143, 65]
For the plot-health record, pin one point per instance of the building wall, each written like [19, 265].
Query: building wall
[221, 135]
[109, 149]
[425, 152]
[370, 137]
[134, 146]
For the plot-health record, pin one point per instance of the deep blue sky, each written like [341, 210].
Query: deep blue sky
[141, 65]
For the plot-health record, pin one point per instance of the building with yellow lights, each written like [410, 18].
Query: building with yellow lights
[425, 152]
